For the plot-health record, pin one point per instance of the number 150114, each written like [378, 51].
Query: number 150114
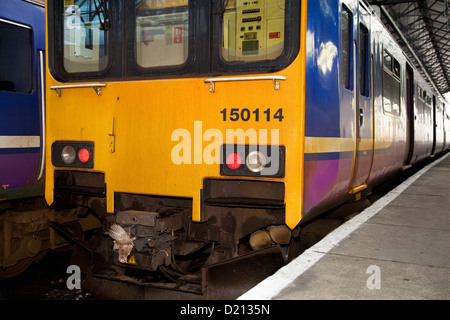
[236, 114]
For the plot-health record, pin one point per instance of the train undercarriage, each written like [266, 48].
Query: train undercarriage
[242, 236]
[194, 257]
[26, 233]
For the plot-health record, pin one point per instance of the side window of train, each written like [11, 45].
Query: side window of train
[424, 106]
[391, 84]
[346, 31]
[162, 32]
[16, 58]
[85, 36]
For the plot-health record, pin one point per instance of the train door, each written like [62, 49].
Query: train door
[438, 126]
[364, 106]
[409, 115]
[20, 138]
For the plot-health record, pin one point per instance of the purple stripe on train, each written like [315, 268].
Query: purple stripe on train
[19, 170]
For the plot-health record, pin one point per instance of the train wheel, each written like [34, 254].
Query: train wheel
[21, 266]
[17, 269]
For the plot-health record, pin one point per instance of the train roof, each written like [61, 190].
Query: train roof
[424, 26]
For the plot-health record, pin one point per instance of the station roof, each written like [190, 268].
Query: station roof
[422, 28]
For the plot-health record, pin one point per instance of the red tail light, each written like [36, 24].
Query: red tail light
[234, 161]
[84, 155]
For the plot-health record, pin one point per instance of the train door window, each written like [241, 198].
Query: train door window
[391, 84]
[421, 104]
[85, 35]
[15, 57]
[428, 109]
[346, 31]
[162, 32]
[253, 30]
[364, 60]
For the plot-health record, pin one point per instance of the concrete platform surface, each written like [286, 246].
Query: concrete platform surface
[398, 248]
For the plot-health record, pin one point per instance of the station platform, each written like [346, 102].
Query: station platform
[398, 248]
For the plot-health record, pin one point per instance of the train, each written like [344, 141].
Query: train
[22, 56]
[204, 135]
[25, 219]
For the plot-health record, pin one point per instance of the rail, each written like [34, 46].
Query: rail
[276, 81]
[96, 86]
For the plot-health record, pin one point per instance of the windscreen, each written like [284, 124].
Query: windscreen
[85, 35]
[162, 32]
[253, 30]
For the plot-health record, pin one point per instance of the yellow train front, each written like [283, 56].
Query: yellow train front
[200, 132]
[144, 133]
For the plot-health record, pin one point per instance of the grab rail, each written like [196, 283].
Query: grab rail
[96, 86]
[276, 80]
